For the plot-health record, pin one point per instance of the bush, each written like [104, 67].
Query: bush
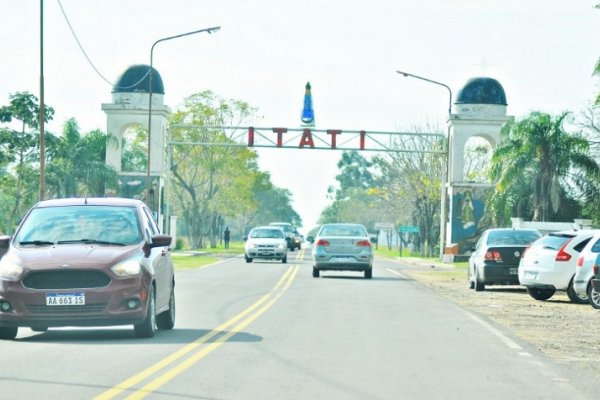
[179, 243]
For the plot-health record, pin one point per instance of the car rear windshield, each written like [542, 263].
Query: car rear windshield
[512, 237]
[77, 223]
[554, 242]
[343, 230]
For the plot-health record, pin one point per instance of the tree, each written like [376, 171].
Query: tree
[210, 181]
[538, 166]
[20, 152]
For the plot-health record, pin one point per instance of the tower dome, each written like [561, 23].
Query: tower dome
[135, 79]
[482, 90]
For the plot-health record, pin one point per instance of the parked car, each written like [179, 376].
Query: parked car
[584, 272]
[342, 247]
[87, 262]
[288, 230]
[267, 243]
[496, 256]
[594, 292]
[549, 264]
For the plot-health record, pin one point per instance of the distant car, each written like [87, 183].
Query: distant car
[342, 247]
[584, 272]
[87, 262]
[495, 258]
[298, 239]
[549, 264]
[267, 243]
[288, 230]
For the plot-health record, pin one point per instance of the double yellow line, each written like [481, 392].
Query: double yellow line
[197, 349]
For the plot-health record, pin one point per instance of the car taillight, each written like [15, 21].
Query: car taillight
[322, 242]
[562, 255]
[493, 256]
[580, 261]
[363, 243]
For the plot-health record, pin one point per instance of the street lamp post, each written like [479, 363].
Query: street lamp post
[150, 73]
[444, 173]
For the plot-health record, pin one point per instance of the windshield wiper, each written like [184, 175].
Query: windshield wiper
[94, 241]
[37, 243]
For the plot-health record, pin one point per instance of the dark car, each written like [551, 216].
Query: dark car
[288, 230]
[496, 257]
[87, 262]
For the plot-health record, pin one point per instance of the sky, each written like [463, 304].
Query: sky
[541, 51]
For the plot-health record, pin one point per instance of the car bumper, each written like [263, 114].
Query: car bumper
[278, 255]
[342, 263]
[103, 306]
[536, 278]
[500, 274]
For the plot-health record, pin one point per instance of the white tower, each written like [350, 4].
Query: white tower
[129, 108]
[480, 111]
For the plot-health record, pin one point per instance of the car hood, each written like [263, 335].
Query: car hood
[70, 255]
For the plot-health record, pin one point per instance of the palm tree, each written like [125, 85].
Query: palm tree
[539, 159]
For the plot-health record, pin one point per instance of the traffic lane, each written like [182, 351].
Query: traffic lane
[82, 362]
[342, 336]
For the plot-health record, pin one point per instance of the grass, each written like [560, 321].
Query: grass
[190, 259]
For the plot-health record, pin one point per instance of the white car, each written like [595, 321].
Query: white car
[266, 242]
[584, 271]
[549, 264]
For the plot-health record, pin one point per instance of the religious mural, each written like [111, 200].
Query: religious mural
[467, 209]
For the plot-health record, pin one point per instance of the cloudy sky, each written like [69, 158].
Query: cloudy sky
[541, 51]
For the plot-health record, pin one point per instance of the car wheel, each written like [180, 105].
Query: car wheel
[541, 293]
[315, 272]
[248, 259]
[470, 282]
[573, 296]
[8, 332]
[147, 329]
[166, 319]
[284, 259]
[478, 285]
[594, 297]
[368, 273]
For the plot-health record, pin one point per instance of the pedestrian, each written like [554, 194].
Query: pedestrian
[226, 237]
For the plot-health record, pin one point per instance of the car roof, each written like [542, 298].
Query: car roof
[90, 201]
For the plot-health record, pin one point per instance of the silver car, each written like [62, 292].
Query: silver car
[342, 247]
[267, 243]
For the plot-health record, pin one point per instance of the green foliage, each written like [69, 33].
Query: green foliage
[539, 169]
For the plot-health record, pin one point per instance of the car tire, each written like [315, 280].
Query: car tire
[166, 319]
[147, 329]
[368, 273]
[8, 332]
[470, 282]
[479, 285]
[594, 297]
[541, 293]
[284, 260]
[248, 259]
[573, 296]
[316, 272]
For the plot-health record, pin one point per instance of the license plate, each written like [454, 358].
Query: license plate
[343, 259]
[530, 275]
[514, 271]
[65, 299]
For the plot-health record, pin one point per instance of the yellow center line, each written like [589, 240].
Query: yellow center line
[184, 365]
[135, 379]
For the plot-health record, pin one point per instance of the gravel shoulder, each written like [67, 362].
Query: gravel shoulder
[566, 332]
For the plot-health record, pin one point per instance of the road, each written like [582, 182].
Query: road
[268, 330]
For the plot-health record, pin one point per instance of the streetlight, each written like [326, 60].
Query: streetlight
[444, 177]
[207, 30]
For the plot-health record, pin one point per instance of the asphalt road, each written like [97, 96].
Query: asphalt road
[268, 330]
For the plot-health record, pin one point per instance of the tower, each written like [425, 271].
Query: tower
[130, 108]
[480, 111]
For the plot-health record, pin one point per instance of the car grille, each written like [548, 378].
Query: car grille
[66, 280]
[81, 309]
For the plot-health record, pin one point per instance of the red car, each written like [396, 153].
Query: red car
[87, 262]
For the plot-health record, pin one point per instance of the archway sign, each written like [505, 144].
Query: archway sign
[319, 139]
